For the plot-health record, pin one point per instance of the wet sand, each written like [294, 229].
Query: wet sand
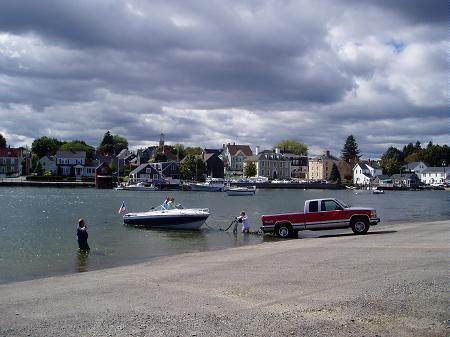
[391, 282]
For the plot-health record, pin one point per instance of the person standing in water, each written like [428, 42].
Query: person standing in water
[245, 222]
[82, 235]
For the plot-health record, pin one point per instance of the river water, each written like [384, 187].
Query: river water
[38, 225]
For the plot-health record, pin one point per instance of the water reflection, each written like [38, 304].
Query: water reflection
[82, 261]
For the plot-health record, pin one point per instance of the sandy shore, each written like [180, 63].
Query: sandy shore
[391, 282]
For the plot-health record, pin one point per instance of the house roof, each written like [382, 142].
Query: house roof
[10, 152]
[233, 149]
[413, 165]
[436, 169]
[267, 155]
[71, 154]
[405, 176]
[139, 168]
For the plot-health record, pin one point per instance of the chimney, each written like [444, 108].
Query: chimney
[277, 150]
[327, 153]
[256, 150]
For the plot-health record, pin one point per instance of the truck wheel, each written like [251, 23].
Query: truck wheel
[360, 226]
[284, 231]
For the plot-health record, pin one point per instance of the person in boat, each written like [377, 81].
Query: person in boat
[171, 204]
[243, 218]
[82, 235]
[164, 205]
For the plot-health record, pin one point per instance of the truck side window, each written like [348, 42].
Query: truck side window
[313, 206]
[329, 205]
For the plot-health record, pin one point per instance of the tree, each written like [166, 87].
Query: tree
[112, 144]
[45, 146]
[179, 150]
[250, 169]
[159, 158]
[292, 146]
[350, 152]
[193, 168]
[392, 160]
[2, 141]
[195, 151]
[335, 176]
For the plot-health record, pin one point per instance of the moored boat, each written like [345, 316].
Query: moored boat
[184, 218]
[137, 187]
[211, 185]
[237, 191]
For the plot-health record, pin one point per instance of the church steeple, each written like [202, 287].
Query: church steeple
[161, 140]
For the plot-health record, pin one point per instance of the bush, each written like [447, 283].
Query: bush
[44, 178]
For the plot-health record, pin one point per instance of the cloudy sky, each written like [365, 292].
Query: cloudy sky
[211, 72]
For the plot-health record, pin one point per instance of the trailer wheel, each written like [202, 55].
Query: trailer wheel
[360, 226]
[284, 230]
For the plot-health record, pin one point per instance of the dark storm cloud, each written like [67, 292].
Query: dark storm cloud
[206, 73]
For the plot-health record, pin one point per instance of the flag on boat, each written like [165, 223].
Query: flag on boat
[122, 208]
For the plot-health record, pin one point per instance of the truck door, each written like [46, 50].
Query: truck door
[324, 214]
[332, 214]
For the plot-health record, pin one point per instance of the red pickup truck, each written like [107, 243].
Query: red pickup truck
[320, 214]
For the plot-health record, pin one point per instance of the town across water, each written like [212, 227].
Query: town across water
[38, 224]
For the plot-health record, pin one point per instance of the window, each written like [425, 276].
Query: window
[329, 205]
[313, 206]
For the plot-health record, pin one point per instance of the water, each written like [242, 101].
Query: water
[37, 225]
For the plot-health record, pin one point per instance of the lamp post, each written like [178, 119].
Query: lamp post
[444, 163]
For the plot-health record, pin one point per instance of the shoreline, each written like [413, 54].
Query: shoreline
[391, 282]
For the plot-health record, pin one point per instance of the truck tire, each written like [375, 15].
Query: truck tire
[284, 230]
[360, 226]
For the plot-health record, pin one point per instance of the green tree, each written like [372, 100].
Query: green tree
[159, 158]
[250, 169]
[193, 168]
[194, 151]
[45, 146]
[335, 176]
[392, 160]
[179, 150]
[39, 171]
[350, 151]
[292, 146]
[112, 144]
[2, 141]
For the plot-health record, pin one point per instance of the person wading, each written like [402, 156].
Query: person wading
[82, 235]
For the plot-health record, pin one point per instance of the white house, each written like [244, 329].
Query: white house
[435, 175]
[48, 163]
[416, 167]
[235, 155]
[65, 160]
[364, 173]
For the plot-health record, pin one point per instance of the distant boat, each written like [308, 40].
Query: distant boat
[376, 191]
[238, 191]
[179, 218]
[137, 187]
[211, 185]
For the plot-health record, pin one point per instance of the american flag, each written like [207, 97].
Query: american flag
[122, 208]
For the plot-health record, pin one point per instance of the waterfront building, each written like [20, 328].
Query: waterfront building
[363, 173]
[299, 165]
[319, 167]
[416, 167]
[234, 157]
[270, 164]
[435, 175]
[48, 164]
[11, 162]
[409, 180]
[214, 165]
[165, 172]
[70, 163]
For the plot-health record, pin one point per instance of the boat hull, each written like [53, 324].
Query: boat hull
[206, 188]
[166, 220]
[241, 191]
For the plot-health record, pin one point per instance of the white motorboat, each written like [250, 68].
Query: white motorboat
[377, 191]
[179, 218]
[211, 185]
[137, 187]
[237, 191]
